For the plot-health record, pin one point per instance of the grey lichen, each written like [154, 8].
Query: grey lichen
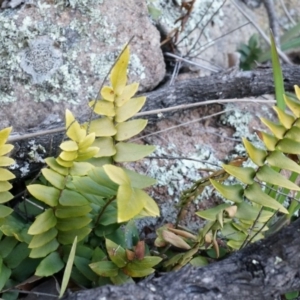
[41, 59]
[82, 5]
[73, 42]
[136, 67]
[36, 152]
[179, 175]
[239, 120]
[24, 170]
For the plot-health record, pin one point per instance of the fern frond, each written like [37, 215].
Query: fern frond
[5, 175]
[261, 185]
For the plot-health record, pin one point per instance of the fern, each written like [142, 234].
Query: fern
[5, 175]
[66, 214]
[265, 187]
[116, 107]
[90, 202]
[15, 264]
[255, 201]
[116, 192]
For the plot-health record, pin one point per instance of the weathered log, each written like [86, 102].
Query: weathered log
[236, 84]
[231, 84]
[262, 271]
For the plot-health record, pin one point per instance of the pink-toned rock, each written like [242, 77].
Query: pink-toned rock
[55, 55]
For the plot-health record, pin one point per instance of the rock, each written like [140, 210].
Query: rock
[55, 55]
[214, 29]
[41, 59]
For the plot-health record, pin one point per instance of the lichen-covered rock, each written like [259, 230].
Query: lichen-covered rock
[41, 59]
[55, 54]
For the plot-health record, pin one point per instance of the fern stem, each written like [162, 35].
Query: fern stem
[248, 239]
[103, 209]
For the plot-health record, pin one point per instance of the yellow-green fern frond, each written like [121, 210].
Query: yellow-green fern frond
[5, 175]
[262, 187]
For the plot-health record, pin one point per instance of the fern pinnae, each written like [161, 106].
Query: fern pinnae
[280, 143]
[5, 174]
[63, 220]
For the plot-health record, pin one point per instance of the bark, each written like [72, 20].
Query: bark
[264, 270]
[235, 84]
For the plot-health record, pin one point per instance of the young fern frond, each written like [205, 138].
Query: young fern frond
[116, 107]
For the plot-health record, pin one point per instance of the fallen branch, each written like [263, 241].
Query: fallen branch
[182, 95]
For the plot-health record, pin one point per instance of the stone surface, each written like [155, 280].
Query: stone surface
[55, 55]
[215, 28]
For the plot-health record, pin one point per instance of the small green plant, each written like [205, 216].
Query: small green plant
[83, 197]
[249, 53]
[266, 200]
[291, 295]
[254, 202]
[253, 52]
[153, 11]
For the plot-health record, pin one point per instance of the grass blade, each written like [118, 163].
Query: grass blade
[68, 269]
[277, 75]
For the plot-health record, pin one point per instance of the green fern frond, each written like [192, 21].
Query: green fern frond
[261, 185]
[67, 215]
[116, 107]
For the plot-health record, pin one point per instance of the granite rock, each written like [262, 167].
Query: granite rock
[56, 54]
